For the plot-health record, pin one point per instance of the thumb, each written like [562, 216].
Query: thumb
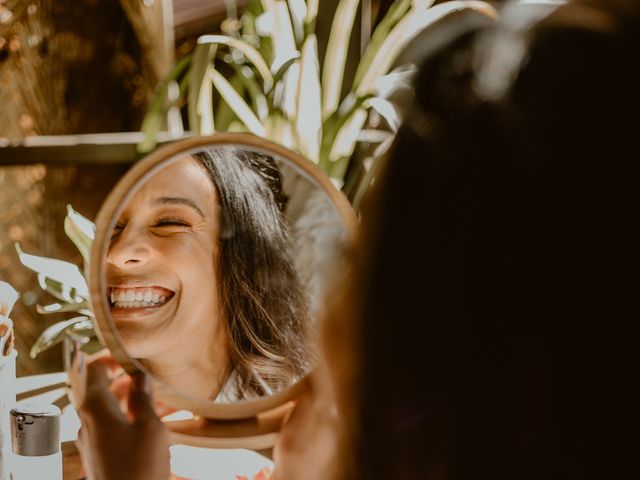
[140, 401]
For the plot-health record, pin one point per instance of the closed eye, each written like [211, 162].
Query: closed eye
[171, 222]
[117, 229]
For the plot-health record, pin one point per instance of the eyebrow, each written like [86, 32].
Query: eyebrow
[179, 201]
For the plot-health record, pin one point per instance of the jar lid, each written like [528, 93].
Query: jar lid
[35, 429]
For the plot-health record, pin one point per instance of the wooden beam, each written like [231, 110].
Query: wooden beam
[120, 147]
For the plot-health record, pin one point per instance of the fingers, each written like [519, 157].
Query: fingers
[99, 403]
[120, 388]
[141, 406]
[82, 444]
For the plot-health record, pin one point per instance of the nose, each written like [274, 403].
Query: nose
[129, 249]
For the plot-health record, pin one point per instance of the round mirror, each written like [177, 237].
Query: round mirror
[211, 259]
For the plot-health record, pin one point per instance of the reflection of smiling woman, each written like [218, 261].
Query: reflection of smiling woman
[201, 285]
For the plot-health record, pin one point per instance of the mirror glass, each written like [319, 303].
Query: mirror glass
[216, 265]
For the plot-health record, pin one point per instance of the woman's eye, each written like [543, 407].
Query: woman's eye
[171, 222]
[116, 230]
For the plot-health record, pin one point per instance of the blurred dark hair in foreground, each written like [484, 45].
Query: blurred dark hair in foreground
[494, 285]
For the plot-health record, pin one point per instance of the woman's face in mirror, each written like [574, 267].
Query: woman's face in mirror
[161, 266]
[211, 268]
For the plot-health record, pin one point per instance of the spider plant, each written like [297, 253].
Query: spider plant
[65, 282]
[265, 77]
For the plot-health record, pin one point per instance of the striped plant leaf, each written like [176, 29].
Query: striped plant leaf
[258, 98]
[298, 12]
[200, 108]
[153, 119]
[224, 114]
[347, 136]
[336, 55]
[375, 161]
[279, 129]
[278, 78]
[287, 100]
[308, 119]
[395, 13]
[283, 38]
[406, 29]
[54, 334]
[8, 298]
[236, 102]
[65, 274]
[334, 124]
[252, 55]
[310, 17]
[82, 308]
[80, 230]
[387, 110]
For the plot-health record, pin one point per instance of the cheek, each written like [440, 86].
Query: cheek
[185, 251]
[193, 263]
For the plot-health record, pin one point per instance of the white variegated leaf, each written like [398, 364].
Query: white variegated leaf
[309, 115]
[236, 102]
[411, 24]
[62, 272]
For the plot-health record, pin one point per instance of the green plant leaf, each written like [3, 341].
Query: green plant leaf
[334, 124]
[59, 290]
[309, 116]
[67, 275]
[80, 230]
[235, 101]
[387, 110]
[298, 13]
[53, 335]
[279, 75]
[399, 78]
[396, 11]
[258, 99]
[347, 137]
[8, 298]
[312, 12]
[224, 115]
[336, 55]
[251, 54]
[153, 119]
[375, 161]
[281, 32]
[414, 22]
[92, 346]
[83, 328]
[279, 129]
[286, 95]
[82, 308]
[199, 99]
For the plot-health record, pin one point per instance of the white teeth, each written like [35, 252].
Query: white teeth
[131, 299]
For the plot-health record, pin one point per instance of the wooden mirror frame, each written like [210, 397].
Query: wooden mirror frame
[248, 424]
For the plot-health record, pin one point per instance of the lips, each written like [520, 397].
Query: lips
[124, 297]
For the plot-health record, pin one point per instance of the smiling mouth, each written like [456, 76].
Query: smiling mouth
[138, 297]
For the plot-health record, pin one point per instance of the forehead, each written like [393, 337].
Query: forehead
[184, 177]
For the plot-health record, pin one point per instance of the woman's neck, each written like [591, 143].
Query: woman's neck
[199, 371]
